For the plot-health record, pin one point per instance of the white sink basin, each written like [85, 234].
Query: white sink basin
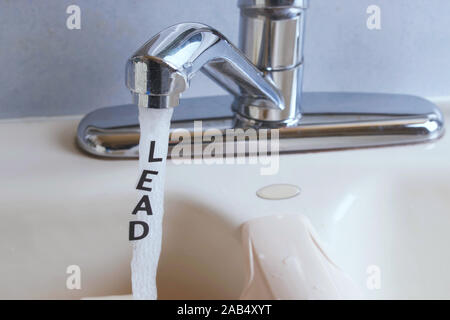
[380, 207]
[399, 223]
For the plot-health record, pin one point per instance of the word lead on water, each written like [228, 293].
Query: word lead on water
[144, 204]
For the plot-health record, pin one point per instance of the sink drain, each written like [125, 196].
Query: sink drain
[278, 192]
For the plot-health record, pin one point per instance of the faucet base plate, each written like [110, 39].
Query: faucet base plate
[330, 121]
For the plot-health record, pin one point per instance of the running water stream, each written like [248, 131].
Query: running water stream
[148, 214]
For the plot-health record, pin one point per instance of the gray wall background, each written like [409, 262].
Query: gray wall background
[49, 70]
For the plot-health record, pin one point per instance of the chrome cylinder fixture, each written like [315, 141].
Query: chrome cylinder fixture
[271, 36]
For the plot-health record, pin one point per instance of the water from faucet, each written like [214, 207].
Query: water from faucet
[146, 229]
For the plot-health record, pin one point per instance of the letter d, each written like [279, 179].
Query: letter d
[132, 232]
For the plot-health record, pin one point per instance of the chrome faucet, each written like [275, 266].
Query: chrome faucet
[264, 79]
[271, 36]
[162, 68]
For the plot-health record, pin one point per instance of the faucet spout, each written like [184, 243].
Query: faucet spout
[161, 70]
